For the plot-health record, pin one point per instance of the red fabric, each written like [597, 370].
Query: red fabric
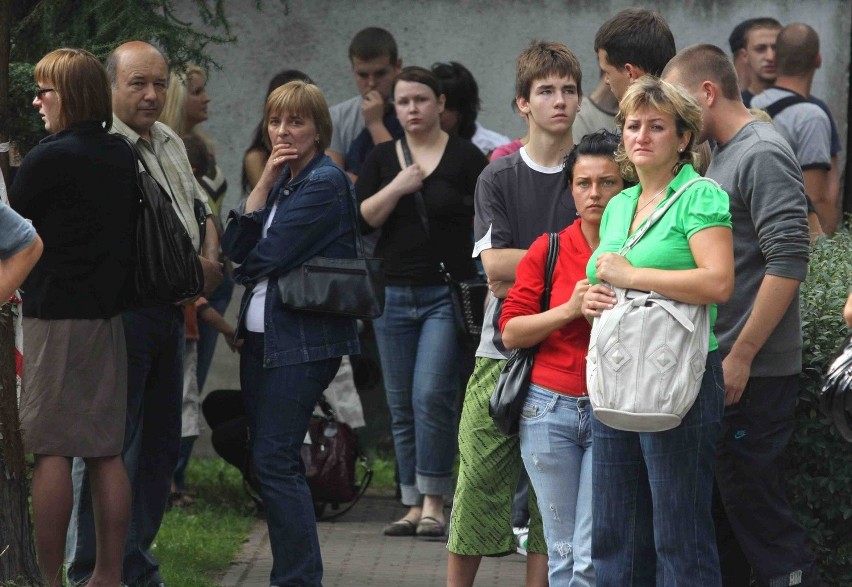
[190, 315]
[560, 364]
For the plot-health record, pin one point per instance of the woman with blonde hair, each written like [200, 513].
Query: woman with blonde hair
[302, 206]
[651, 509]
[78, 187]
[186, 107]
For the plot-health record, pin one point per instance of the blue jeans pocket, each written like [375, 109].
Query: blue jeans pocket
[538, 404]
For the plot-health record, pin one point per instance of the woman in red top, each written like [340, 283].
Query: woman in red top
[555, 429]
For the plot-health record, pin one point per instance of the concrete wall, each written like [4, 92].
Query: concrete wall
[314, 35]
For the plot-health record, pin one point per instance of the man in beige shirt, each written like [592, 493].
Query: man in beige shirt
[155, 336]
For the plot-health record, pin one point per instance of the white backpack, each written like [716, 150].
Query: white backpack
[647, 354]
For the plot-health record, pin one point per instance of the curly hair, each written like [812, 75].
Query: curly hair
[652, 92]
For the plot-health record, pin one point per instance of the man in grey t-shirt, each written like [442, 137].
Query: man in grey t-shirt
[759, 328]
[517, 198]
[375, 63]
[804, 124]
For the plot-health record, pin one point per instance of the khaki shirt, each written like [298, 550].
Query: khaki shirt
[166, 158]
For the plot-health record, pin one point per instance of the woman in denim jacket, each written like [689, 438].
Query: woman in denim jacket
[301, 207]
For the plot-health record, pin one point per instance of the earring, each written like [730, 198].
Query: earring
[680, 150]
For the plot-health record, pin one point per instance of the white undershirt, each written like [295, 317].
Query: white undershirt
[255, 310]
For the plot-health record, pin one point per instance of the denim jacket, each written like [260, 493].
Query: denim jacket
[314, 217]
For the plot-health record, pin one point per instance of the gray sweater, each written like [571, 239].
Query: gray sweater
[769, 213]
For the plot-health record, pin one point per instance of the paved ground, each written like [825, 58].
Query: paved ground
[356, 554]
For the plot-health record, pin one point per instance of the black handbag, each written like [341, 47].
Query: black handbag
[468, 305]
[510, 393]
[468, 296]
[836, 393]
[166, 269]
[332, 285]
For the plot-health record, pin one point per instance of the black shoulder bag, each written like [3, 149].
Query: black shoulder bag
[338, 286]
[166, 269]
[468, 296]
[836, 393]
[510, 393]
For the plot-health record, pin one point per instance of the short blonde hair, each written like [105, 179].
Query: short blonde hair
[80, 82]
[302, 99]
[652, 92]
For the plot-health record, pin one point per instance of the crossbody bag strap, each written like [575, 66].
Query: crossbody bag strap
[359, 243]
[552, 256]
[419, 203]
[134, 155]
[658, 213]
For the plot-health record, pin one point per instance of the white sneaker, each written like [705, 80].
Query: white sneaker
[521, 537]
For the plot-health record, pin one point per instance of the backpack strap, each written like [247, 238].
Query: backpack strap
[776, 107]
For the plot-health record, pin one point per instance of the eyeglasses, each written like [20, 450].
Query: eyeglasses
[42, 91]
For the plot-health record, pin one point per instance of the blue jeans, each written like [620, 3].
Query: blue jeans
[420, 354]
[653, 492]
[279, 402]
[155, 339]
[556, 445]
[209, 336]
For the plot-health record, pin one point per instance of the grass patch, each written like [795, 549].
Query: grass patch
[197, 542]
[384, 471]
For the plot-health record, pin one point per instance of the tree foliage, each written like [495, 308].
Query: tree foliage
[40, 26]
[100, 25]
[819, 461]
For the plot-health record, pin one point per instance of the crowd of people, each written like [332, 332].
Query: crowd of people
[110, 401]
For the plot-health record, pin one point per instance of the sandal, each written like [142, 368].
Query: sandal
[402, 527]
[430, 527]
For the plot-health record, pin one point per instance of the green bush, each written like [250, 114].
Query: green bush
[819, 461]
[23, 125]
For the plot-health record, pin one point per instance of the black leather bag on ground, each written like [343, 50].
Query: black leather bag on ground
[510, 393]
[344, 287]
[468, 305]
[166, 269]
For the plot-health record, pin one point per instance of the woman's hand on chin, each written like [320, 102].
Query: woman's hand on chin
[615, 269]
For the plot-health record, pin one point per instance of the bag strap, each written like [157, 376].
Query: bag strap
[658, 213]
[419, 203]
[552, 256]
[776, 107]
[359, 243]
[134, 154]
[137, 160]
[617, 313]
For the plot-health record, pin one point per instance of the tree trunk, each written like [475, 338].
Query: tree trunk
[5, 47]
[17, 557]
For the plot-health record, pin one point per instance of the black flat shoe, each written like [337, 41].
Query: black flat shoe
[430, 527]
[401, 528]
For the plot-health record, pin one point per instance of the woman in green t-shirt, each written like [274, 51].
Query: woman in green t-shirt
[652, 520]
